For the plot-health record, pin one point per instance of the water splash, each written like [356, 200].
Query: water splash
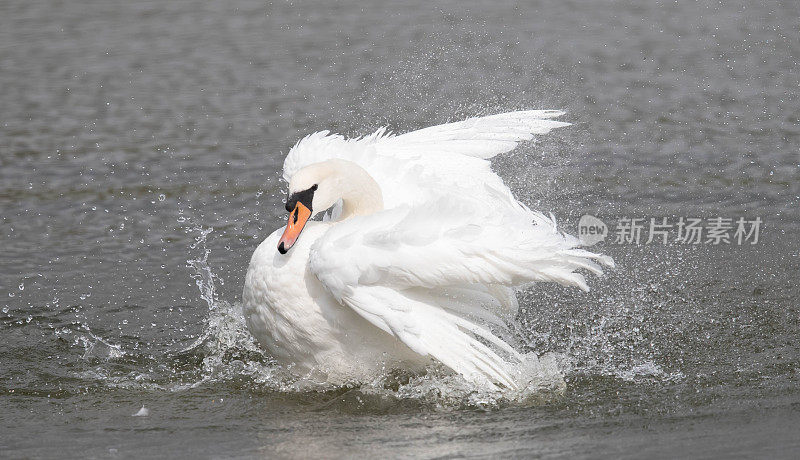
[225, 353]
[203, 277]
[98, 348]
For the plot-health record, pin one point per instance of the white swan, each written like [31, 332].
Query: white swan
[421, 250]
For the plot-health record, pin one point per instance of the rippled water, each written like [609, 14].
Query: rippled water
[140, 144]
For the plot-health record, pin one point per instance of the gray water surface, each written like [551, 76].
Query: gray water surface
[140, 150]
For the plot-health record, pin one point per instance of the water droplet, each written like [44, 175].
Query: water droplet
[21, 286]
[162, 197]
[181, 219]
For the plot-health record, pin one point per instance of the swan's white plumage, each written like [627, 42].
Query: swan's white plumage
[433, 268]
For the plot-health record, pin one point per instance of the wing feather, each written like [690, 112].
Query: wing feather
[481, 137]
[378, 265]
[431, 331]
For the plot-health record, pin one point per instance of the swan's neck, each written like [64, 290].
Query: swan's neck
[361, 195]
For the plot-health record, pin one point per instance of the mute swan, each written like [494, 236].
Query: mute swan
[420, 251]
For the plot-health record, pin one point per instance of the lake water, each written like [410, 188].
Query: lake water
[140, 150]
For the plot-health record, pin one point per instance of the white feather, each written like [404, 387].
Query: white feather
[420, 165]
[434, 269]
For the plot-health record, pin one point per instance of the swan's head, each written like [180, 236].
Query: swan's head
[312, 189]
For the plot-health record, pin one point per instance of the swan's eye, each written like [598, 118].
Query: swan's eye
[306, 197]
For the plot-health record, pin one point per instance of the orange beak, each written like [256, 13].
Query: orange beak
[297, 220]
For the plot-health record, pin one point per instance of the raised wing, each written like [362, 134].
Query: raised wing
[480, 137]
[436, 161]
